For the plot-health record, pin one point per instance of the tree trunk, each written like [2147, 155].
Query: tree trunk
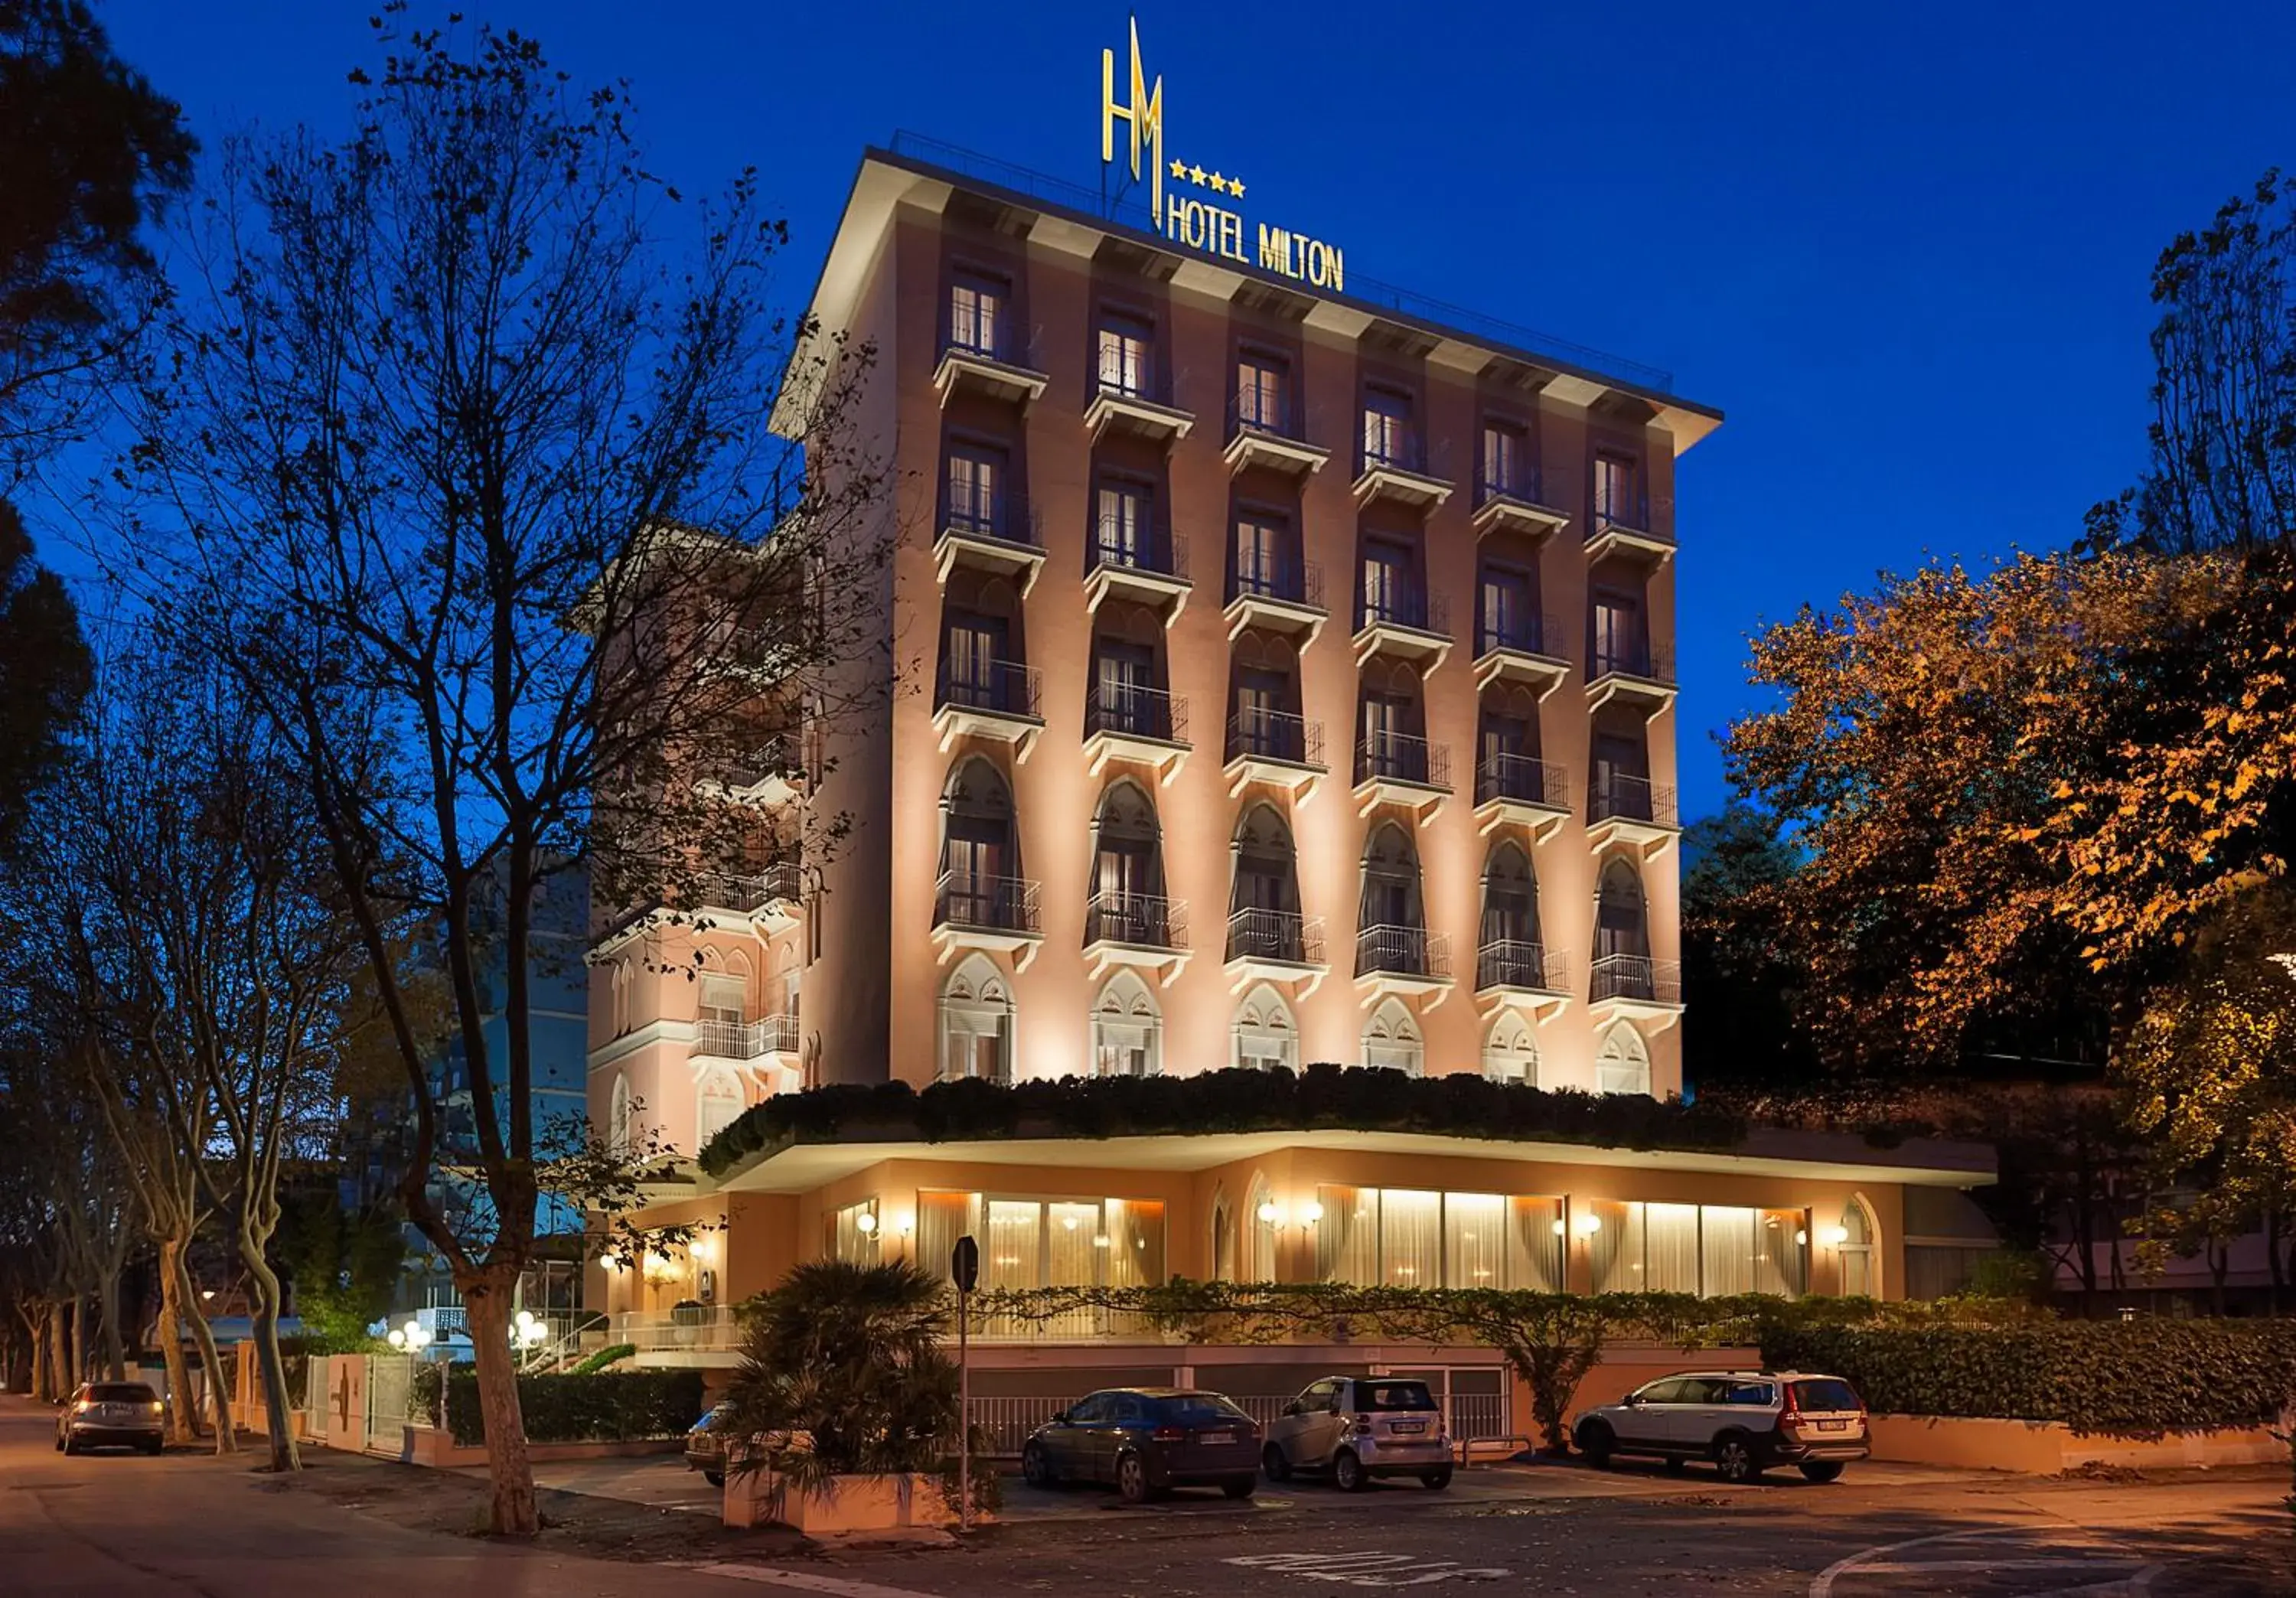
[55, 1383]
[182, 1414]
[82, 1344]
[510, 1474]
[115, 1349]
[277, 1413]
[210, 1360]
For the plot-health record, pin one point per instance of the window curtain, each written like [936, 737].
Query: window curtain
[1779, 1264]
[1535, 1251]
[1011, 1253]
[1474, 1240]
[1410, 1238]
[1727, 1250]
[1347, 1238]
[1670, 1248]
[1071, 1258]
[1617, 1246]
[850, 1244]
[1133, 1231]
[941, 1220]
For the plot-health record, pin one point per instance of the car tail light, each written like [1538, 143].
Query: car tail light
[1789, 1420]
[1362, 1425]
[1167, 1434]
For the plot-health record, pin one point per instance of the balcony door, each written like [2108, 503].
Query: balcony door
[1614, 490]
[1258, 555]
[1617, 631]
[972, 647]
[1619, 925]
[1387, 584]
[1122, 525]
[975, 489]
[1262, 698]
[1125, 355]
[978, 857]
[1260, 393]
[1124, 676]
[1508, 619]
[1510, 899]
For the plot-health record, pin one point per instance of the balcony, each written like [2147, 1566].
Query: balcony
[1632, 810]
[768, 777]
[1527, 975]
[1136, 928]
[766, 1049]
[1285, 597]
[1633, 987]
[991, 915]
[1119, 407]
[764, 902]
[1625, 531]
[983, 367]
[998, 536]
[1123, 722]
[1529, 651]
[1272, 437]
[1636, 676]
[992, 699]
[1277, 748]
[1148, 564]
[1414, 628]
[1397, 472]
[1400, 961]
[1274, 946]
[1401, 768]
[1515, 505]
[1522, 790]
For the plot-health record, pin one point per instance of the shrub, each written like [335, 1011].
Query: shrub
[2116, 1378]
[611, 1406]
[612, 1354]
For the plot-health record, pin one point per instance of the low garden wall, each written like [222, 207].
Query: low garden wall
[2046, 1447]
[853, 1504]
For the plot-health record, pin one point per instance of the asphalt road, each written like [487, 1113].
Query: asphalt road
[190, 1524]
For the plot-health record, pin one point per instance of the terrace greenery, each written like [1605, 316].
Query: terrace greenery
[1321, 1098]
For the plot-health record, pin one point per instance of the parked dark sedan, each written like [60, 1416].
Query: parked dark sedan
[1147, 1441]
[112, 1414]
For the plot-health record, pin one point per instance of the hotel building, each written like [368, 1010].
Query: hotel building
[1285, 677]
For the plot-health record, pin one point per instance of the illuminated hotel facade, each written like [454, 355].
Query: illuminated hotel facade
[1284, 677]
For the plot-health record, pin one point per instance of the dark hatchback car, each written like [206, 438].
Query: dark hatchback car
[112, 1414]
[1147, 1441]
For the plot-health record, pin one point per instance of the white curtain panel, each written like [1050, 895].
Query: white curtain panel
[1728, 1250]
[1670, 1248]
[1410, 1238]
[1474, 1240]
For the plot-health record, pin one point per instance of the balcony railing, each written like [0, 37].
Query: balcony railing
[1402, 758]
[1275, 735]
[1005, 687]
[1520, 482]
[1152, 548]
[996, 338]
[1617, 796]
[1518, 963]
[1145, 919]
[1630, 661]
[1532, 633]
[1524, 778]
[1402, 450]
[1126, 710]
[1292, 582]
[1274, 419]
[987, 904]
[1390, 950]
[1634, 977]
[1285, 935]
[776, 757]
[991, 518]
[1627, 514]
[746, 891]
[746, 1040]
[1427, 612]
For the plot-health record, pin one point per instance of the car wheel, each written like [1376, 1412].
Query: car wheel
[59, 1442]
[1348, 1473]
[154, 1447]
[1275, 1464]
[1240, 1487]
[1822, 1469]
[1437, 1480]
[1035, 1466]
[714, 1478]
[1131, 1480]
[1597, 1442]
[1733, 1458]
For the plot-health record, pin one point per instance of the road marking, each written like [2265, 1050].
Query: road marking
[1368, 1569]
[2075, 1561]
[808, 1581]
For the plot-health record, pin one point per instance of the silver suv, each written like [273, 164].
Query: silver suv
[1743, 1420]
[1358, 1428]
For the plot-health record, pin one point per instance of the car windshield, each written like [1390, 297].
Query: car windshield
[1197, 1409]
[122, 1392]
[1393, 1394]
[1827, 1395]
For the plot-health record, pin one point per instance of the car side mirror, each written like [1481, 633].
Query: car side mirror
[1631, 1400]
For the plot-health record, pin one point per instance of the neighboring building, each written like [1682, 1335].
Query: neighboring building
[1297, 685]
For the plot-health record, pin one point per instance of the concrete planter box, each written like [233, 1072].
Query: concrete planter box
[2045, 1447]
[855, 1504]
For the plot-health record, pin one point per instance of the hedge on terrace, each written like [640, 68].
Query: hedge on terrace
[2138, 1378]
[614, 1406]
[1322, 1098]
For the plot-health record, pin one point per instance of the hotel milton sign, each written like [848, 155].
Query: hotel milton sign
[1201, 224]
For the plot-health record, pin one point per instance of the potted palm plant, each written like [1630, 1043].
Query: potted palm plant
[844, 1411]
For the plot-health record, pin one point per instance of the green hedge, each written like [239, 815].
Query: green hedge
[1460, 1104]
[611, 1406]
[610, 1355]
[2138, 1378]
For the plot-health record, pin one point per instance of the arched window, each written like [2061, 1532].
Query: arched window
[980, 855]
[981, 646]
[976, 1022]
[1619, 925]
[1510, 952]
[718, 1101]
[1391, 931]
[1623, 1063]
[1259, 1232]
[1858, 1277]
[1127, 696]
[1127, 902]
[1223, 1255]
[1126, 1031]
[1266, 1037]
[1511, 1051]
[788, 976]
[1392, 1040]
[1264, 909]
[618, 1118]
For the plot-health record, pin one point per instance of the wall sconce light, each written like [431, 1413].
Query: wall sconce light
[1837, 1235]
[1310, 1213]
[1801, 1235]
[1559, 1227]
[905, 1222]
[865, 1223]
[1269, 1214]
[1589, 1224]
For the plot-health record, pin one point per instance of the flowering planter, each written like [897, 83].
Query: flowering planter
[851, 1504]
[2045, 1447]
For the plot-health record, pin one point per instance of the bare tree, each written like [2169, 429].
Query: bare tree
[460, 456]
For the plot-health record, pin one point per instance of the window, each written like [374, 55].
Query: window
[1126, 1030]
[1261, 391]
[1504, 460]
[1387, 588]
[1122, 525]
[1710, 1249]
[1511, 1051]
[1614, 491]
[1259, 1232]
[1259, 551]
[1618, 922]
[1758, 1395]
[1387, 437]
[1125, 342]
[720, 999]
[617, 1119]
[717, 1104]
[1616, 645]
[1508, 619]
[1623, 1065]
[976, 316]
[1857, 1275]
[1403, 1237]
[852, 1239]
[1265, 1038]
[1046, 1243]
[976, 1023]
[1391, 1041]
[976, 487]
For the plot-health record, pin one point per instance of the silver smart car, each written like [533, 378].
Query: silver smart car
[1358, 1427]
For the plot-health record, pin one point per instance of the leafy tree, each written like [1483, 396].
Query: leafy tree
[1742, 978]
[44, 673]
[344, 1264]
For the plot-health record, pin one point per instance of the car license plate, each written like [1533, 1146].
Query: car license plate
[1215, 1436]
[1408, 1428]
[1832, 1425]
